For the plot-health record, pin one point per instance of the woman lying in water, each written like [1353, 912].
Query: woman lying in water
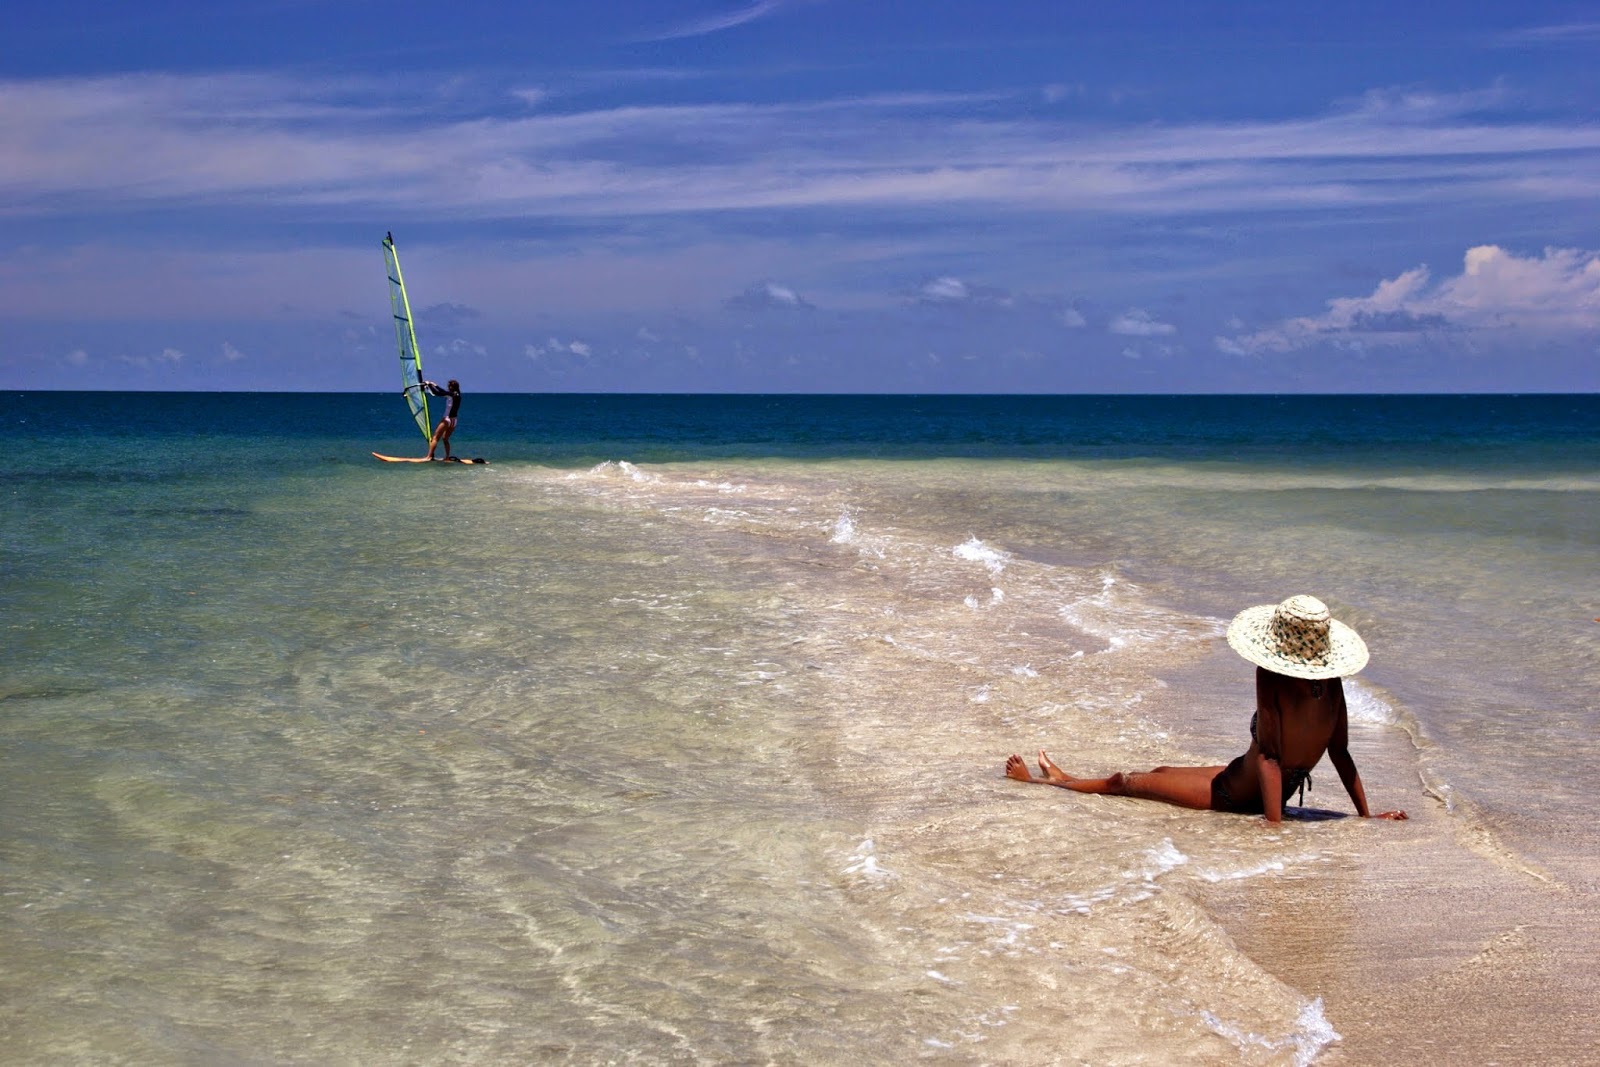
[1300, 656]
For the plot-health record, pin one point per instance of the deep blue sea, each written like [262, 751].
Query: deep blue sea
[673, 734]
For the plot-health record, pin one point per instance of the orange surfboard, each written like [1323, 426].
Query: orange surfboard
[425, 459]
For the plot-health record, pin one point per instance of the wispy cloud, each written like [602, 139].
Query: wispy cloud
[1555, 292]
[1561, 33]
[726, 20]
[252, 140]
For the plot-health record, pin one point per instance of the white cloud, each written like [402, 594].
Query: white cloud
[1557, 292]
[231, 354]
[1136, 322]
[952, 292]
[943, 291]
[1073, 318]
[556, 347]
[460, 346]
[76, 358]
[768, 295]
[168, 356]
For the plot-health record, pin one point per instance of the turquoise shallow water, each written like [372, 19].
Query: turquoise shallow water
[671, 735]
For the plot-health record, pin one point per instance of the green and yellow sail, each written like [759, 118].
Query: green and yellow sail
[406, 337]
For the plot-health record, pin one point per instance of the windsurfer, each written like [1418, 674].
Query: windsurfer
[447, 425]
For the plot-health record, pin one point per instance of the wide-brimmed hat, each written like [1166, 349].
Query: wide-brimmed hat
[1297, 638]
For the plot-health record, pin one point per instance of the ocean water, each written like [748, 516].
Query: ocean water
[674, 734]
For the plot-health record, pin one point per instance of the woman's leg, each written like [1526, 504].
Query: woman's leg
[1188, 787]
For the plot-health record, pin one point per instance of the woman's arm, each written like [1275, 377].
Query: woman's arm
[1339, 756]
[1268, 731]
[1270, 775]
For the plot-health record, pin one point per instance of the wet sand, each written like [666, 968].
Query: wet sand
[1427, 952]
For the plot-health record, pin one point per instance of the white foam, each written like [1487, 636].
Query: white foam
[635, 473]
[1366, 707]
[864, 862]
[1215, 874]
[1009, 933]
[975, 551]
[1314, 1035]
[844, 528]
[1311, 1035]
[1163, 858]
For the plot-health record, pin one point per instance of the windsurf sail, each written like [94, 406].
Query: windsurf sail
[406, 337]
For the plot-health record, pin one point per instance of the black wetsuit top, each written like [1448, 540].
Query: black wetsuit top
[455, 400]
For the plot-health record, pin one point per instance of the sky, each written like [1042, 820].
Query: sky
[817, 196]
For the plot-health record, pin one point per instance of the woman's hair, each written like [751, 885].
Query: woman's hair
[453, 384]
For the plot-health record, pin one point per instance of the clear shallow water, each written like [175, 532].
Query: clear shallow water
[674, 734]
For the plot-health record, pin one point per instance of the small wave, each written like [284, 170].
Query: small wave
[864, 863]
[975, 551]
[1116, 616]
[1140, 882]
[635, 473]
[996, 596]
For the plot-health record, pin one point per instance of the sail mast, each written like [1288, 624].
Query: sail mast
[406, 338]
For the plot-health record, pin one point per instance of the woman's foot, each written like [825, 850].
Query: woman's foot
[1017, 769]
[1051, 772]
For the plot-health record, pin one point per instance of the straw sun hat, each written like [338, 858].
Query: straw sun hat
[1297, 638]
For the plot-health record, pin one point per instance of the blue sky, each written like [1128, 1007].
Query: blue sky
[803, 195]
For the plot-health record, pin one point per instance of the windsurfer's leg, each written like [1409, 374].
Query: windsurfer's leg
[438, 435]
